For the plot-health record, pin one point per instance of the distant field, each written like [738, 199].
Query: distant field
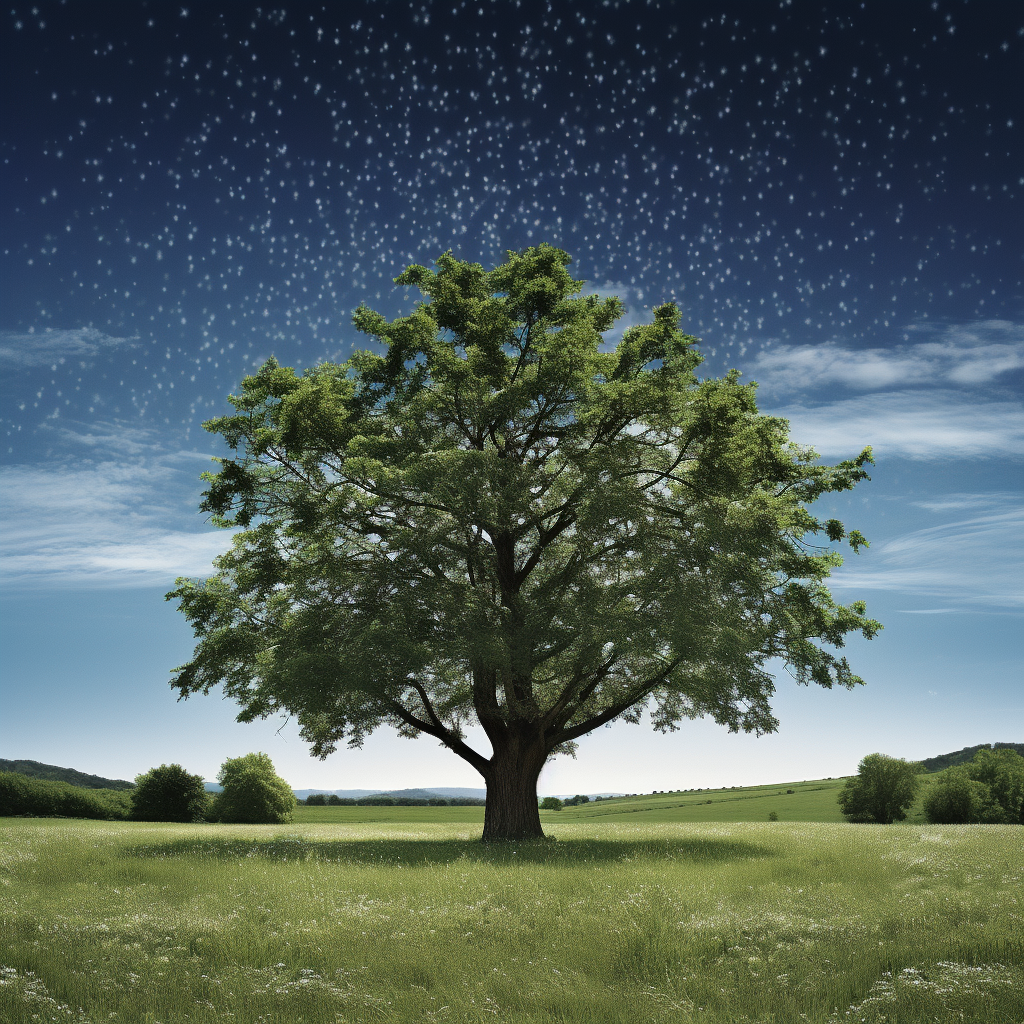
[810, 801]
[621, 920]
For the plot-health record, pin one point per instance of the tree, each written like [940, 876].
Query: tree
[881, 791]
[497, 522]
[551, 803]
[956, 799]
[169, 793]
[253, 794]
[988, 790]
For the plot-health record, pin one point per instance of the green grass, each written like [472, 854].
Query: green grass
[809, 801]
[409, 919]
[387, 815]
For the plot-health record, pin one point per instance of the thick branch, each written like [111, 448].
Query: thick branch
[446, 736]
[637, 694]
[554, 717]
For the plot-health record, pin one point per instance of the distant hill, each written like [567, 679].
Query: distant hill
[937, 764]
[414, 794]
[37, 770]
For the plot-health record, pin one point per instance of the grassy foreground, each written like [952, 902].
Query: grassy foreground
[417, 921]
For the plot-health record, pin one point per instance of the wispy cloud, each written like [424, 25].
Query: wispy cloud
[928, 424]
[126, 519]
[52, 347]
[962, 354]
[971, 561]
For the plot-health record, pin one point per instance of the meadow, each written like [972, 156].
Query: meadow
[408, 917]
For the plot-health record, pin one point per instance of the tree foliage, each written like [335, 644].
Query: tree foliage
[882, 791]
[35, 797]
[551, 803]
[987, 790]
[253, 793]
[169, 793]
[502, 520]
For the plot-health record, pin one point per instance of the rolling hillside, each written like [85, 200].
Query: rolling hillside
[54, 773]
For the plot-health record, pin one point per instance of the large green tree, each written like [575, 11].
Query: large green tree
[169, 793]
[499, 519]
[253, 793]
[882, 791]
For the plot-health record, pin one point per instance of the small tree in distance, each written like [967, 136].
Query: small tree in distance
[551, 803]
[169, 793]
[882, 790]
[253, 794]
[499, 520]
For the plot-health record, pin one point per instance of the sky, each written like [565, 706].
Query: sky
[832, 193]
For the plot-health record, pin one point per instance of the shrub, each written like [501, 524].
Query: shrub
[989, 789]
[773, 815]
[956, 799]
[169, 793]
[253, 794]
[41, 798]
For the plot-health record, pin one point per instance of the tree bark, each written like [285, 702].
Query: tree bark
[512, 812]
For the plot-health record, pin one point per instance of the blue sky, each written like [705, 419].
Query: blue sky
[189, 190]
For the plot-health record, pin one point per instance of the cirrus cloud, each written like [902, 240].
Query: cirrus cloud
[960, 354]
[927, 424]
[53, 346]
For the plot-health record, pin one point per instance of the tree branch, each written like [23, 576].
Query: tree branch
[554, 715]
[637, 694]
[448, 738]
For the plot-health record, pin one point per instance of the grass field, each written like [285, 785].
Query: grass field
[792, 801]
[401, 918]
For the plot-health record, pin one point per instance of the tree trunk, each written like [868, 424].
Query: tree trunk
[512, 812]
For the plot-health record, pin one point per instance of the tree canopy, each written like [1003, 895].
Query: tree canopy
[169, 793]
[882, 791]
[989, 789]
[502, 519]
[253, 793]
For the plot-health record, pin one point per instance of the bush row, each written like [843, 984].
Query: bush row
[252, 793]
[42, 798]
[987, 790]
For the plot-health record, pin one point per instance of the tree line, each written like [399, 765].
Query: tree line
[252, 793]
[987, 790]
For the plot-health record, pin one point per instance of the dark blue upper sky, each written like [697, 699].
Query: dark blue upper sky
[831, 192]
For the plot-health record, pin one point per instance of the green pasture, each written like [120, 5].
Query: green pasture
[407, 919]
[808, 801]
[813, 800]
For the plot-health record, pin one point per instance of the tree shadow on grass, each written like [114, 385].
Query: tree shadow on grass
[398, 852]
